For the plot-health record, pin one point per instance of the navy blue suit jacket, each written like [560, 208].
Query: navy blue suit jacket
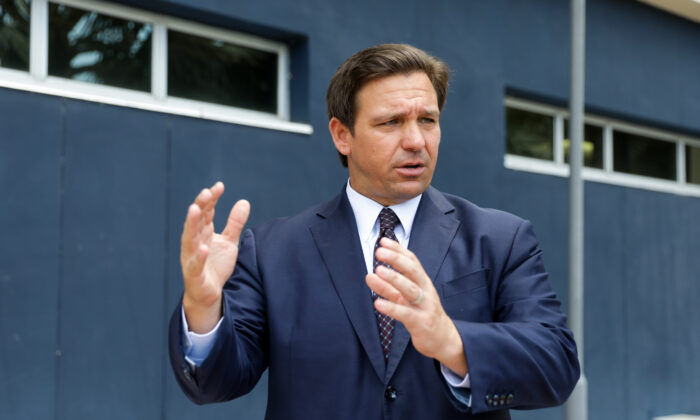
[297, 304]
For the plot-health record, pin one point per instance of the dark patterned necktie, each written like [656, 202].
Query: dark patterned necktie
[387, 223]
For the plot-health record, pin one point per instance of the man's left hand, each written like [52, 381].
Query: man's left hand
[410, 298]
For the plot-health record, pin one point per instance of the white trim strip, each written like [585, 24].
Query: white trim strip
[559, 136]
[520, 163]
[159, 61]
[39, 39]
[607, 149]
[283, 84]
[680, 162]
[56, 86]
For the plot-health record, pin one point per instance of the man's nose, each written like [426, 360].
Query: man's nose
[413, 138]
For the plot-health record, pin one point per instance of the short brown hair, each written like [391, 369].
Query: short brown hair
[375, 63]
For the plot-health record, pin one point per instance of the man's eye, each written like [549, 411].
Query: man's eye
[390, 122]
[428, 120]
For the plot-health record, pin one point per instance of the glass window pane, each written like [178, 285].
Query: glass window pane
[97, 48]
[592, 145]
[640, 155]
[14, 34]
[529, 134]
[692, 164]
[210, 70]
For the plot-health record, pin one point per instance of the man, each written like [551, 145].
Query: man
[454, 319]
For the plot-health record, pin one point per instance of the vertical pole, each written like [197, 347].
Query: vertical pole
[39, 39]
[577, 406]
[159, 61]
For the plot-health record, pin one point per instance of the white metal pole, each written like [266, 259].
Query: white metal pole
[576, 407]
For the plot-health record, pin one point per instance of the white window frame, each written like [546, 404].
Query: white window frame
[607, 175]
[37, 79]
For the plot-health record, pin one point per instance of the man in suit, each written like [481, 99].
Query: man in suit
[391, 300]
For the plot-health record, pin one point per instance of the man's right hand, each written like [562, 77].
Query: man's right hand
[208, 258]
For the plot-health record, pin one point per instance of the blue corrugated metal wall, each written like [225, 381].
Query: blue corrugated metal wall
[94, 196]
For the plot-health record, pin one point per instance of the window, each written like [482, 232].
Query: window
[592, 145]
[14, 34]
[641, 155]
[97, 48]
[211, 70]
[110, 53]
[614, 151]
[529, 134]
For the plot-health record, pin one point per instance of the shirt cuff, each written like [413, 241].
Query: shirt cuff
[459, 387]
[197, 346]
[454, 379]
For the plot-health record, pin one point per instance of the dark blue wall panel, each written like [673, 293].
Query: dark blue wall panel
[643, 62]
[112, 316]
[606, 300]
[661, 311]
[30, 231]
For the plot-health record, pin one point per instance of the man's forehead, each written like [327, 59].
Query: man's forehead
[417, 80]
[400, 91]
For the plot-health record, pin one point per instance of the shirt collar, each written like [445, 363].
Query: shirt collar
[367, 210]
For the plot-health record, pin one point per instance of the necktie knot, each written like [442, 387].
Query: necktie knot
[387, 221]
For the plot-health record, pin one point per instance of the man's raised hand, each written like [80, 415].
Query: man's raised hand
[208, 258]
[411, 298]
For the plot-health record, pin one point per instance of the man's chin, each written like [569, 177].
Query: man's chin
[408, 190]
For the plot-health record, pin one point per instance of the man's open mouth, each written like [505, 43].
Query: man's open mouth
[411, 169]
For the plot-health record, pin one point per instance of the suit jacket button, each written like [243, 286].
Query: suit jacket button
[390, 393]
[510, 398]
[495, 400]
[187, 375]
[489, 399]
[502, 400]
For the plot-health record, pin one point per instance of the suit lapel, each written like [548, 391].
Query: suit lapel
[339, 245]
[434, 227]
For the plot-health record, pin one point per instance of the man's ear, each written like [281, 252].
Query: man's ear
[341, 136]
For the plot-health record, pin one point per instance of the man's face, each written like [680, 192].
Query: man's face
[392, 154]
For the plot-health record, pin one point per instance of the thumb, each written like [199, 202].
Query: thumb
[236, 221]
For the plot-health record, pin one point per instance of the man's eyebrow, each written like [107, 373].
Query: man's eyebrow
[435, 113]
[388, 116]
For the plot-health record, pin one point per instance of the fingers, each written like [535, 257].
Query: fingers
[207, 199]
[403, 261]
[191, 230]
[193, 264]
[383, 288]
[192, 250]
[198, 230]
[401, 313]
[393, 303]
[411, 299]
[236, 221]
[402, 287]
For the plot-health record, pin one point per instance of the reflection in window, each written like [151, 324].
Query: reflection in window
[640, 155]
[97, 48]
[592, 145]
[529, 134]
[14, 34]
[692, 164]
[209, 70]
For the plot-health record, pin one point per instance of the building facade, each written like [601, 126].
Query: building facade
[114, 115]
